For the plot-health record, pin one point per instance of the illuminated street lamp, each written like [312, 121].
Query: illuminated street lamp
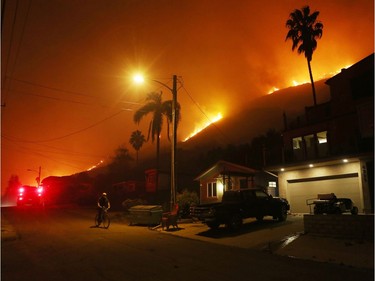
[139, 79]
[39, 174]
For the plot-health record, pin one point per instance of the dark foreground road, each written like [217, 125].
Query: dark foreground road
[62, 244]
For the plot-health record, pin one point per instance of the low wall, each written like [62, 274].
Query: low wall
[340, 226]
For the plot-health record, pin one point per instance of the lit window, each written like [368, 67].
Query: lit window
[322, 137]
[211, 189]
[297, 143]
[272, 184]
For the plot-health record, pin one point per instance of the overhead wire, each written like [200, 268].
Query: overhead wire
[17, 49]
[64, 136]
[49, 87]
[93, 103]
[228, 139]
[27, 150]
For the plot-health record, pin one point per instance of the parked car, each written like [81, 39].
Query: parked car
[237, 205]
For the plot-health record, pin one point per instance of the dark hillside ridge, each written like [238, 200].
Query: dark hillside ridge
[262, 114]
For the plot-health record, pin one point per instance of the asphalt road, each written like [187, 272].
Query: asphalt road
[63, 244]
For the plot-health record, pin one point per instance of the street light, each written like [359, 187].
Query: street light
[139, 79]
[39, 174]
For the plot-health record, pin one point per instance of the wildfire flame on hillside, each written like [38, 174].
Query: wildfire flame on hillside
[203, 126]
[295, 83]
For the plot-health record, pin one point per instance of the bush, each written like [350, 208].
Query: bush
[185, 200]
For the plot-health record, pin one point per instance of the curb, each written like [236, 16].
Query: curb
[8, 233]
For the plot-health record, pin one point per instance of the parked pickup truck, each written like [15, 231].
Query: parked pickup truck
[237, 205]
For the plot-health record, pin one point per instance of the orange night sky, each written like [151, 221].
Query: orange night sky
[67, 97]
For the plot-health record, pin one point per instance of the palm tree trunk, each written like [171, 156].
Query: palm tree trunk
[157, 162]
[312, 82]
[157, 151]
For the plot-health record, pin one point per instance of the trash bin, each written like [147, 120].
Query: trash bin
[145, 214]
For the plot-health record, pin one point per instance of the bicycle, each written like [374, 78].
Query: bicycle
[105, 220]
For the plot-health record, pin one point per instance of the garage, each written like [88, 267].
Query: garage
[299, 190]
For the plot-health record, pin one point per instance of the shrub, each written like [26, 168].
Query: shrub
[185, 200]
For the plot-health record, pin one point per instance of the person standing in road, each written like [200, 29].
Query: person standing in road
[103, 205]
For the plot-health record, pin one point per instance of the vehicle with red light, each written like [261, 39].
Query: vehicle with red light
[30, 196]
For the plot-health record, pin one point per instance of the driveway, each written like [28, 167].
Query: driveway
[265, 235]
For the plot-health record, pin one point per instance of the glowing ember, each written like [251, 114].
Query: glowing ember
[201, 128]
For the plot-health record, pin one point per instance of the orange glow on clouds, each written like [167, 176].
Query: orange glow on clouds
[86, 88]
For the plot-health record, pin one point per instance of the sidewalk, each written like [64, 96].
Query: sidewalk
[298, 245]
[333, 250]
[8, 233]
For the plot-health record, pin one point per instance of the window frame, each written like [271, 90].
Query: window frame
[212, 189]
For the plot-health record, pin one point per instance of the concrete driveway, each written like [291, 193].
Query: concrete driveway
[283, 238]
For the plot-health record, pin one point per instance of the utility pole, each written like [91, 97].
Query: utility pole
[40, 171]
[174, 142]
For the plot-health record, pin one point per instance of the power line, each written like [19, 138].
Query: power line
[202, 111]
[64, 136]
[49, 97]
[19, 45]
[25, 150]
[49, 87]
[65, 91]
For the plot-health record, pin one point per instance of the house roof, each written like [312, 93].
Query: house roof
[226, 168]
[358, 67]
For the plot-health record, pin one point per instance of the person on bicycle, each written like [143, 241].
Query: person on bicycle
[103, 205]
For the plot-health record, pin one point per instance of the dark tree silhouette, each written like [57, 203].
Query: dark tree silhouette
[158, 109]
[119, 167]
[137, 139]
[304, 29]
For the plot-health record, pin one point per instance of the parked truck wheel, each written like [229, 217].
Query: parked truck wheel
[235, 222]
[354, 211]
[259, 218]
[283, 213]
[213, 225]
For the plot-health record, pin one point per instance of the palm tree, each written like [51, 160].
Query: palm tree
[304, 29]
[137, 139]
[158, 109]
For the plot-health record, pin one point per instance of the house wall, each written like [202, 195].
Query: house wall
[346, 178]
[348, 120]
[204, 199]
[220, 188]
[261, 179]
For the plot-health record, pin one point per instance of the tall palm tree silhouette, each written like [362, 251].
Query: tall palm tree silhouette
[137, 139]
[304, 29]
[158, 109]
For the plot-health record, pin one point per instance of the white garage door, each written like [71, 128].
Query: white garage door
[299, 192]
